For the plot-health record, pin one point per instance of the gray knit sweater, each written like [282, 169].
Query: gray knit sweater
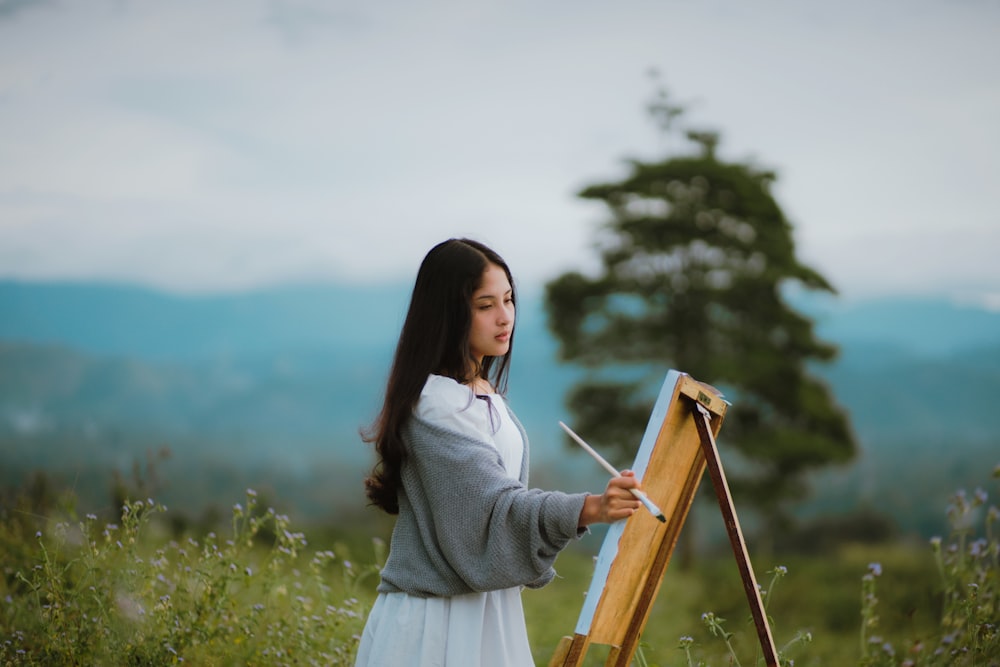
[465, 526]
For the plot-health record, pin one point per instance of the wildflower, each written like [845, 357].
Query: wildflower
[38, 534]
[251, 493]
[978, 548]
[875, 568]
[685, 641]
[981, 497]
[129, 607]
[92, 517]
[248, 571]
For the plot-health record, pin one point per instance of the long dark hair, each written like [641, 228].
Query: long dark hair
[434, 339]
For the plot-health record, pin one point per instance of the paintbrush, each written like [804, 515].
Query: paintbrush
[653, 509]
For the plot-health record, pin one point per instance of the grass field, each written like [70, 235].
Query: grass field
[818, 595]
[84, 590]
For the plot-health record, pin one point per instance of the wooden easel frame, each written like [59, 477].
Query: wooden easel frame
[678, 445]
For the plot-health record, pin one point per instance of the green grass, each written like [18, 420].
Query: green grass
[819, 595]
[82, 590]
[89, 592]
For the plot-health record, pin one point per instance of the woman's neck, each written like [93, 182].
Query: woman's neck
[481, 386]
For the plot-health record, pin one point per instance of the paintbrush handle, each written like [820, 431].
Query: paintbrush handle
[590, 450]
[650, 505]
[611, 469]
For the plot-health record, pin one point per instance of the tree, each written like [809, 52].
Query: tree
[695, 260]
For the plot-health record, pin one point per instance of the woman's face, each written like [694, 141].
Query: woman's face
[492, 315]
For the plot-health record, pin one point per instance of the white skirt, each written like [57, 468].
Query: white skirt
[484, 629]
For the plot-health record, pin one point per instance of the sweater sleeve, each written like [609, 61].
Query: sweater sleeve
[489, 529]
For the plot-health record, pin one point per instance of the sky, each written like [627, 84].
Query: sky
[204, 146]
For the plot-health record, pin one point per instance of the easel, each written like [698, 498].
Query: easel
[679, 443]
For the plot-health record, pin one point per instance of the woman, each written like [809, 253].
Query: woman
[453, 464]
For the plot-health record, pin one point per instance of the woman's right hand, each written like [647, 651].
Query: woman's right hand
[617, 501]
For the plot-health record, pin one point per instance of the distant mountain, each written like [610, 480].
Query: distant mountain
[924, 327]
[128, 321]
[278, 382]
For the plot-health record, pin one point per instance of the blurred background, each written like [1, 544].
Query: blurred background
[211, 215]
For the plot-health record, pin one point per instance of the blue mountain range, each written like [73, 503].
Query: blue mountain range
[276, 383]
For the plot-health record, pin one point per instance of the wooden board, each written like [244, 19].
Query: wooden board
[635, 553]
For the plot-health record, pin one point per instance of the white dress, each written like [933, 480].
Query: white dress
[476, 629]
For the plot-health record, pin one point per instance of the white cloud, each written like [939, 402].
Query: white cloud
[228, 144]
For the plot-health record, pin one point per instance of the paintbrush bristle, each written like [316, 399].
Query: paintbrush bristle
[662, 518]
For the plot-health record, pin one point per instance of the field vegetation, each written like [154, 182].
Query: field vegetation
[136, 589]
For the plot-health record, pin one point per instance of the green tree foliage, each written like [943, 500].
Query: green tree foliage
[695, 259]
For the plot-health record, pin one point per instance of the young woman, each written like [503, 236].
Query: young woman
[453, 464]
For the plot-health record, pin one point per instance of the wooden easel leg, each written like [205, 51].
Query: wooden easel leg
[562, 650]
[703, 420]
[621, 656]
[570, 652]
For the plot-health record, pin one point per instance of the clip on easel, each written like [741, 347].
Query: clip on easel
[679, 443]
